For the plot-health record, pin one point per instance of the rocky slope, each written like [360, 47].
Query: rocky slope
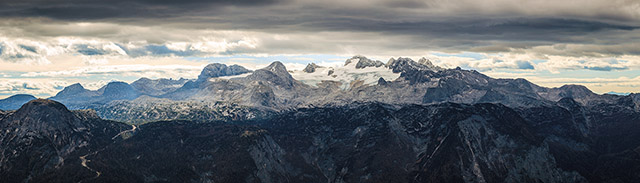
[218, 70]
[43, 136]
[597, 141]
[147, 109]
[359, 142]
[156, 87]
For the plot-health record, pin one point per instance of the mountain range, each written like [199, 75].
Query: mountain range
[366, 121]
[274, 88]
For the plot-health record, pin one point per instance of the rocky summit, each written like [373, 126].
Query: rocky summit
[403, 121]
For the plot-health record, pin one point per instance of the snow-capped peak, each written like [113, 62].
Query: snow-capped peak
[311, 67]
[362, 62]
[427, 62]
[355, 68]
[276, 67]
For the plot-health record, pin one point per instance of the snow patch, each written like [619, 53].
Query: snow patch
[345, 75]
[234, 76]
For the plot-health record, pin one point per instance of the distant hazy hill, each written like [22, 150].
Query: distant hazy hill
[14, 102]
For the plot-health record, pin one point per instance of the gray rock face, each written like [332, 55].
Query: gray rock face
[636, 100]
[157, 87]
[363, 62]
[381, 81]
[147, 109]
[218, 70]
[276, 73]
[311, 68]
[118, 91]
[262, 95]
[427, 62]
[403, 65]
[270, 87]
[14, 102]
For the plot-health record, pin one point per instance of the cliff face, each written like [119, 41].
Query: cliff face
[157, 87]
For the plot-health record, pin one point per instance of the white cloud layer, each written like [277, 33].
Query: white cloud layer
[536, 39]
[157, 71]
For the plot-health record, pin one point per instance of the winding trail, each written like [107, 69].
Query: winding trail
[133, 129]
[84, 164]
[84, 160]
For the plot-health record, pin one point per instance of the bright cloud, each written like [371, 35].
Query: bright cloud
[94, 42]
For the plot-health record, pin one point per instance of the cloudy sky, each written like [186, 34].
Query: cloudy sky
[48, 44]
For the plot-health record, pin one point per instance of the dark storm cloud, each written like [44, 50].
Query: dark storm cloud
[94, 9]
[492, 26]
[472, 34]
[471, 28]
[519, 29]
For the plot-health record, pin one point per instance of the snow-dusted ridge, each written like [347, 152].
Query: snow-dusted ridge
[231, 77]
[355, 69]
[399, 81]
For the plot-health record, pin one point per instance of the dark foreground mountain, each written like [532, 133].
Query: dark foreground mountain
[359, 142]
[44, 136]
